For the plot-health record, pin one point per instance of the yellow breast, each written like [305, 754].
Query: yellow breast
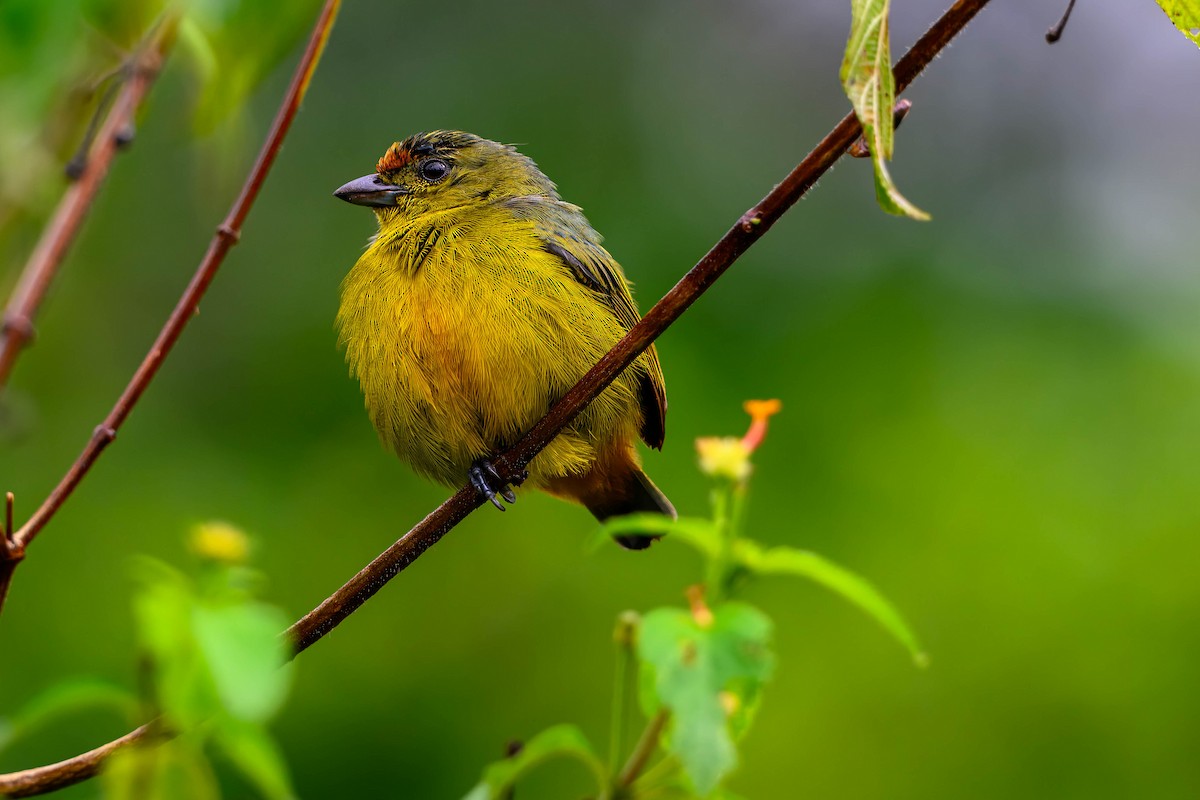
[463, 330]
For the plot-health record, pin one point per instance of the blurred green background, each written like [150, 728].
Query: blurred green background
[994, 415]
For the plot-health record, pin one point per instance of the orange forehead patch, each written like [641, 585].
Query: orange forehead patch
[395, 158]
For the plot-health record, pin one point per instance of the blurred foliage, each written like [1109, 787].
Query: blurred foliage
[561, 741]
[215, 670]
[995, 416]
[60, 60]
[692, 663]
[234, 45]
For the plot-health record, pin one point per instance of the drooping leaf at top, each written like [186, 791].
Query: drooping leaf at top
[867, 78]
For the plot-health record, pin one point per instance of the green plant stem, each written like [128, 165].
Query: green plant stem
[624, 680]
[643, 751]
[737, 510]
[716, 576]
[618, 719]
[658, 775]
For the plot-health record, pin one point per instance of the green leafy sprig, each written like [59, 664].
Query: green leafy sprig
[213, 672]
[698, 672]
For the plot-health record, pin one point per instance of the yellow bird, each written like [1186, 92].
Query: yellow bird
[484, 298]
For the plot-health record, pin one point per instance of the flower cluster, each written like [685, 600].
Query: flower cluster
[729, 457]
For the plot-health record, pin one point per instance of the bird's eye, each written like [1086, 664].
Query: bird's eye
[434, 170]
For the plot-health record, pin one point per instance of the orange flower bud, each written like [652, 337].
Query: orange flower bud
[760, 411]
[700, 610]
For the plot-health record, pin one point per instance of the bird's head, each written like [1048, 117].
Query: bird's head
[440, 170]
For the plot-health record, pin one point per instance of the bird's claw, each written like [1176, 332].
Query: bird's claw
[487, 482]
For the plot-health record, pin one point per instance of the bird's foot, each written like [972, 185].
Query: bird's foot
[487, 482]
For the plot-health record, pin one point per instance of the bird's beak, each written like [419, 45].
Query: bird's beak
[370, 190]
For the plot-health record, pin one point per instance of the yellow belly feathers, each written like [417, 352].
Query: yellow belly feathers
[463, 331]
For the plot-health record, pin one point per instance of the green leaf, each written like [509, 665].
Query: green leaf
[867, 78]
[561, 741]
[690, 666]
[68, 697]
[195, 43]
[1186, 16]
[746, 696]
[724, 794]
[163, 613]
[176, 769]
[256, 755]
[851, 586]
[245, 40]
[700, 533]
[245, 655]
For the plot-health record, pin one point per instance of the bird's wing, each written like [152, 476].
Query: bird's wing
[566, 234]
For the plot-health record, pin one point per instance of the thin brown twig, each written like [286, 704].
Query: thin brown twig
[10, 553]
[225, 237]
[644, 749]
[16, 330]
[748, 229]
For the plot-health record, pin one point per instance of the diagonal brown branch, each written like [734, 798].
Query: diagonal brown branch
[748, 229]
[745, 232]
[16, 330]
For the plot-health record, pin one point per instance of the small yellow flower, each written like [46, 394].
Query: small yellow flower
[727, 457]
[220, 541]
[723, 457]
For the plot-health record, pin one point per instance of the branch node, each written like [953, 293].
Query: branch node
[229, 232]
[750, 221]
[125, 135]
[76, 167]
[860, 148]
[12, 551]
[20, 327]
[149, 64]
[104, 434]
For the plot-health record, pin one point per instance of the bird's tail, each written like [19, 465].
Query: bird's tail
[640, 495]
[615, 492]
